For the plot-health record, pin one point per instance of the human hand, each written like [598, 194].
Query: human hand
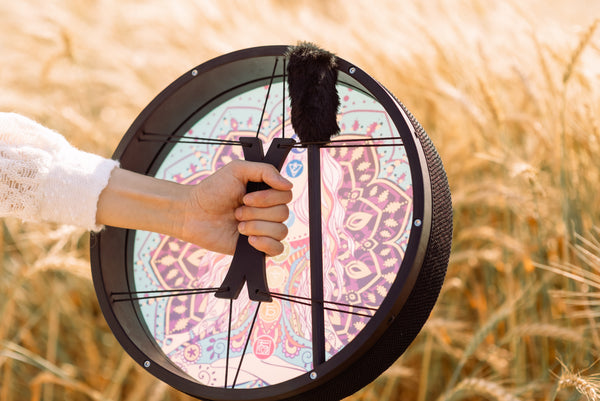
[219, 209]
[210, 214]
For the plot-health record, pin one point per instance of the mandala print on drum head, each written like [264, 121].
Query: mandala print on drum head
[367, 209]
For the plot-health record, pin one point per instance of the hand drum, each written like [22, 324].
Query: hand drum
[306, 325]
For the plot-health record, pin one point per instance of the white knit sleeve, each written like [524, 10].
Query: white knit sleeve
[43, 177]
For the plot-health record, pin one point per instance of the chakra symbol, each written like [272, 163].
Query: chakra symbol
[294, 168]
[191, 352]
[263, 347]
[270, 312]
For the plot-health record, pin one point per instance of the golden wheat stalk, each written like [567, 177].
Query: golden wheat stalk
[576, 55]
[546, 330]
[47, 378]
[479, 387]
[501, 314]
[588, 386]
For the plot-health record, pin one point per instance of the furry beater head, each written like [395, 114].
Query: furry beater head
[312, 75]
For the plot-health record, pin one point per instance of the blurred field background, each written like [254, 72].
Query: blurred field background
[510, 94]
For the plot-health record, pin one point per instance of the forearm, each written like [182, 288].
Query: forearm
[136, 201]
[45, 178]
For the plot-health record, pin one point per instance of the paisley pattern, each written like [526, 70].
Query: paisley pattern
[366, 207]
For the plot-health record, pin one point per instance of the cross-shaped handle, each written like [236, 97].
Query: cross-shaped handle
[248, 264]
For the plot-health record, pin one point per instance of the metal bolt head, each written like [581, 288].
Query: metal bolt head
[352, 70]
[418, 223]
[194, 73]
[147, 364]
[313, 375]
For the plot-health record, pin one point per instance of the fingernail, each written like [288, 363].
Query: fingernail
[242, 227]
[246, 198]
[285, 180]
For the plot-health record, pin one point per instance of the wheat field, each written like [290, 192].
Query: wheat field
[508, 92]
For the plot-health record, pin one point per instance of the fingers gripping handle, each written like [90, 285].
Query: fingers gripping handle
[248, 264]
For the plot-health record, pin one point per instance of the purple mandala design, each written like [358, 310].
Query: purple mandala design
[366, 208]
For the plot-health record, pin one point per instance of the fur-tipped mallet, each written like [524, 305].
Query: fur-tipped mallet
[312, 76]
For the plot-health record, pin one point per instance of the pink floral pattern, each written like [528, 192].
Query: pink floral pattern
[366, 207]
